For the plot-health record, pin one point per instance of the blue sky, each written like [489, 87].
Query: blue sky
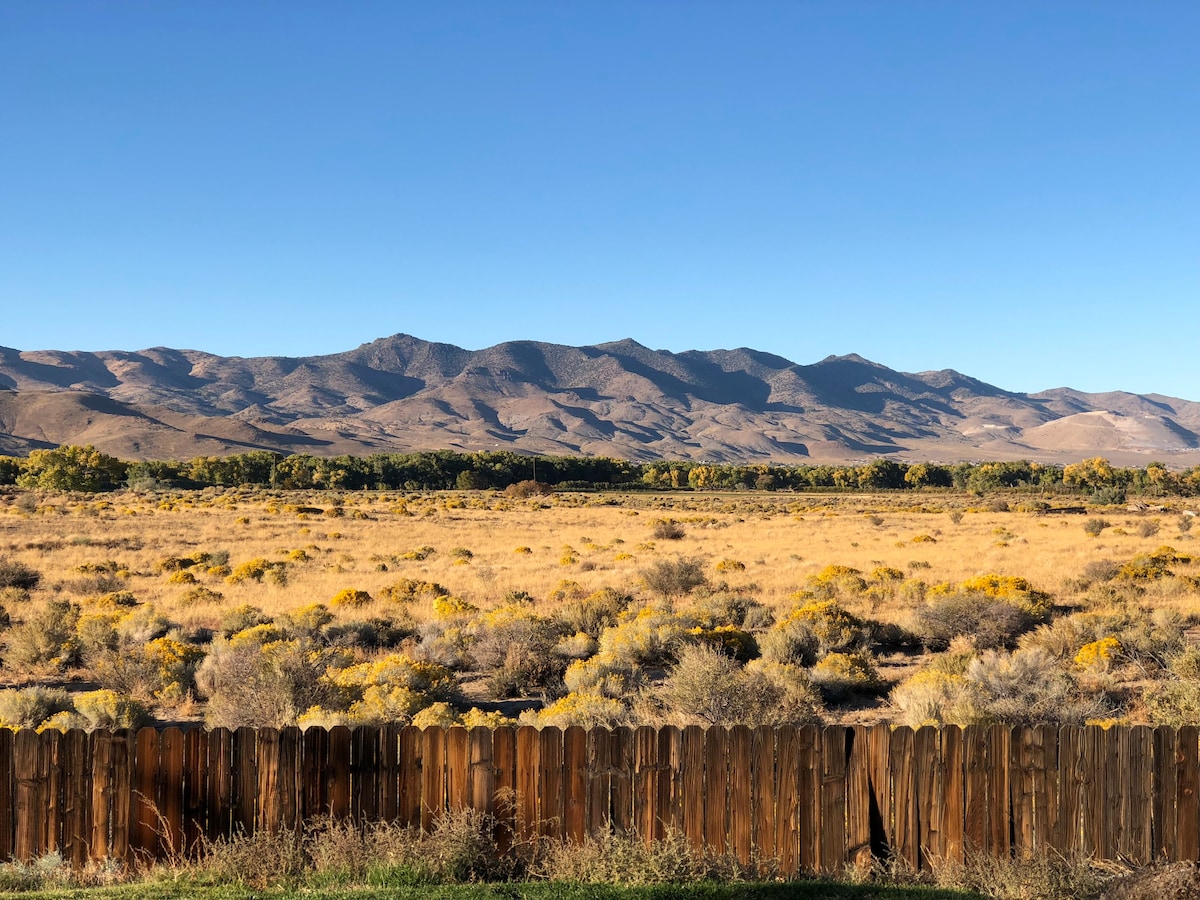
[1006, 188]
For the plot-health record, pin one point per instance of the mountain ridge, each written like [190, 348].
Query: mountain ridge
[619, 398]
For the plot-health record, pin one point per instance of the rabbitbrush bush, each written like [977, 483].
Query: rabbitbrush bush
[674, 577]
[835, 629]
[264, 683]
[15, 574]
[651, 636]
[46, 640]
[390, 689]
[709, 688]
[991, 622]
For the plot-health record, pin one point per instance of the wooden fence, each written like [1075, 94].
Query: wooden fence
[812, 799]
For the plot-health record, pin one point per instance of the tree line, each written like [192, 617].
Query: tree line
[74, 468]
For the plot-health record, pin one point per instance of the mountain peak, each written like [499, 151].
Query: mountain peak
[618, 399]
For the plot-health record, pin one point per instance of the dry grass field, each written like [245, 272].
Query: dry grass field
[487, 600]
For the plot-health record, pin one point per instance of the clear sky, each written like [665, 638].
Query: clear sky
[1006, 188]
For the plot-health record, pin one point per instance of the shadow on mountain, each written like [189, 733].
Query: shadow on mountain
[78, 368]
[837, 381]
[706, 381]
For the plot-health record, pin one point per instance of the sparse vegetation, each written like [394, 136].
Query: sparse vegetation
[165, 601]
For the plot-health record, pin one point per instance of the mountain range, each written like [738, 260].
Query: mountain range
[617, 399]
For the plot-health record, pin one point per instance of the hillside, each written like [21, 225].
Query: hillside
[616, 399]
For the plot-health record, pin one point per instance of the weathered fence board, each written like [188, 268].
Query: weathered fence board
[691, 785]
[740, 787]
[504, 767]
[802, 799]
[1187, 797]
[575, 793]
[787, 777]
[763, 755]
[550, 783]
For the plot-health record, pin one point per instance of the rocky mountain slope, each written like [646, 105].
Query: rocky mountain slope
[617, 399]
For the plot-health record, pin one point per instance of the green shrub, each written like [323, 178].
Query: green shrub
[1100, 570]
[143, 624]
[1173, 703]
[729, 639]
[668, 530]
[161, 670]
[836, 630]
[408, 590]
[374, 633]
[790, 642]
[200, 594]
[1029, 687]
[725, 608]
[256, 570]
[936, 697]
[523, 490]
[1186, 664]
[833, 582]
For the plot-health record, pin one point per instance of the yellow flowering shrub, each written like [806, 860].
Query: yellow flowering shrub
[1098, 655]
[255, 570]
[843, 674]
[831, 582]
[648, 636]
[1010, 588]
[604, 675]
[436, 715]
[108, 710]
[477, 718]
[834, 628]
[260, 635]
[567, 590]
[585, 710]
[391, 689]
[453, 608]
[408, 590]
[350, 597]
